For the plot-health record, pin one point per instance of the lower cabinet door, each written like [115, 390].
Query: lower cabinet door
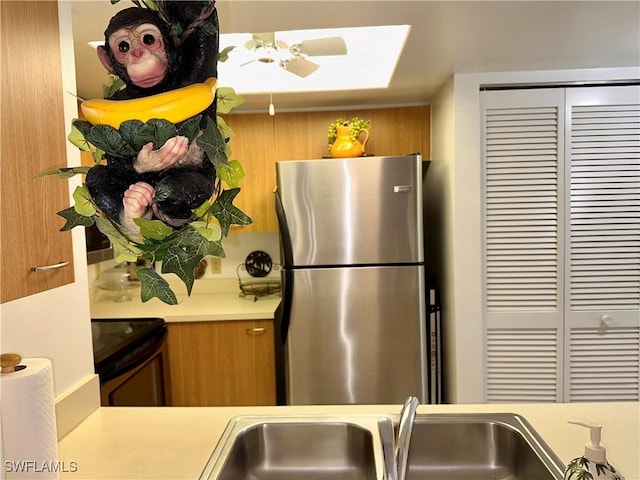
[222, 363]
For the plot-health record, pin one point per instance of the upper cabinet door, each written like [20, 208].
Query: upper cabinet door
[33, 140]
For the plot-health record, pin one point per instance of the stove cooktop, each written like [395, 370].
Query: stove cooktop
[112, 337]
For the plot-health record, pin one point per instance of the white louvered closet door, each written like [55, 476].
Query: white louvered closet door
[562, 244]
[523, 159]
[602, 308]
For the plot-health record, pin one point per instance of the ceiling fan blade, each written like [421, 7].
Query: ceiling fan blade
[321, 46]
[299, 66]
[268, 38]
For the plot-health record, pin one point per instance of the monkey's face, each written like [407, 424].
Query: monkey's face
[142, 52]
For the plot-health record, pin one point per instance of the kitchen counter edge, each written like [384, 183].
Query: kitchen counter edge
[176, 442]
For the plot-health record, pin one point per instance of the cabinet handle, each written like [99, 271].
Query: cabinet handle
[256, 331]
[46, 268]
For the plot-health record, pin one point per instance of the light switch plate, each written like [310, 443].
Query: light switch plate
[216, 265]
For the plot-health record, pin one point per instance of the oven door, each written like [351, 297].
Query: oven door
[136, 370]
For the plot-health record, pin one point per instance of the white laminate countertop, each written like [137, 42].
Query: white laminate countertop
[175, 443]
[210, 300]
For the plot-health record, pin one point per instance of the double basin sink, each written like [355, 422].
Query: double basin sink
[443, 447]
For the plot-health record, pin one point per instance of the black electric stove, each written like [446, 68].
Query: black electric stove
[121, 344]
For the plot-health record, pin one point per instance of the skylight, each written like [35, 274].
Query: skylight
[371, 59]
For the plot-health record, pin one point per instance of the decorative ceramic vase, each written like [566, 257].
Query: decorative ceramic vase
[345, 146]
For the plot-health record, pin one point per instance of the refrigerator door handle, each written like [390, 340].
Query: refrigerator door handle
[287, 249]
[284, 310]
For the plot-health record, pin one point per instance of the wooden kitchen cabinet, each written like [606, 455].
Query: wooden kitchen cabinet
[261, 140]
[222, 363]
[33, 140]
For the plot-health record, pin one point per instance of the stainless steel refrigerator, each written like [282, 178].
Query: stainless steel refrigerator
[351, 327]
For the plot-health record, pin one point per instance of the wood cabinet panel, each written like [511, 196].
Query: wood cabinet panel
[33, 140]
[254, 147]
[222, 363]
[261, 140]
[303, 135]
[394, 131]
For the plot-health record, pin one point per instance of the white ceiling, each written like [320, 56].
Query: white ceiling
[446, 37]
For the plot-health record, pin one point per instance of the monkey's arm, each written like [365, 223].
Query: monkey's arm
[176, 152]
[136, 203]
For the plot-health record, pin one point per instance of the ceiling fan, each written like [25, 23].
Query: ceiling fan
[293, 58]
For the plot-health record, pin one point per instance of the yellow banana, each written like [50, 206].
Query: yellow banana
[175, 106]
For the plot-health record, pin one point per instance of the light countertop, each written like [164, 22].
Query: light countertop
[176, 442]
[210, 300]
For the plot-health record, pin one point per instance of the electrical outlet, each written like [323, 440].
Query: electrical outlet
[216, 265]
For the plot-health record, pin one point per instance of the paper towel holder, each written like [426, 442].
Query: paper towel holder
[10, 361]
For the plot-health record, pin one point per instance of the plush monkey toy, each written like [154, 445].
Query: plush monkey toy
[154, 52]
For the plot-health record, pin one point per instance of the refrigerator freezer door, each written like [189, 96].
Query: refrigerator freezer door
[355, 211]
[356, 336]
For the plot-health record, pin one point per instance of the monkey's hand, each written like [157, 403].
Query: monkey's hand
[169, 155]
[136, 201]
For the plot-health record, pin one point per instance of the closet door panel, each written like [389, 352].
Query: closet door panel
[523, 178]
[602, 308]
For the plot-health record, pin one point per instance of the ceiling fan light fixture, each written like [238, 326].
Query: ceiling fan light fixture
[370, 60]
[266, 54]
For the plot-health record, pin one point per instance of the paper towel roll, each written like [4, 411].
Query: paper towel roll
[29, 434]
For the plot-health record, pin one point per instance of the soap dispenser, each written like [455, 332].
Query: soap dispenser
[593, 464]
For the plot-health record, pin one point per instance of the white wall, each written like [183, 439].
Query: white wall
[237, 245]
[458, 104]
[55, 324]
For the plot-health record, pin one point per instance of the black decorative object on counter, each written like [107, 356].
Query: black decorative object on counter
[258, 264]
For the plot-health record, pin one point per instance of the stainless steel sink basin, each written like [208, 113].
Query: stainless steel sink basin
[443, 447]
[479, 447]
[295, 448]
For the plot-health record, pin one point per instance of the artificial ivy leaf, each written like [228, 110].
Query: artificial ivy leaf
[210, 29]
[223, 55]
[83, 203]
[82, 125]
[214, 248]
[153, 285]
[64, 173]
[213, 144]
[176, 30]
[162, 192]
[196, 244]
[207, 230]
[227, 99]
[74, 219]
[115, 84]
[228, 214]
[151, 5]
[155, 229]
[203, 209]
[77, 139]
[225, 130]
[109, 139]
[230, 173]
[157, 131]
[125, 249]
[190, 127]
[183, 264]
[128, 129]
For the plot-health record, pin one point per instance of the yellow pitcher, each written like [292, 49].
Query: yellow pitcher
[345, 147]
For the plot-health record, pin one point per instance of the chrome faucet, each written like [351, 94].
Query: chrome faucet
[395, 451]
[403, 438]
